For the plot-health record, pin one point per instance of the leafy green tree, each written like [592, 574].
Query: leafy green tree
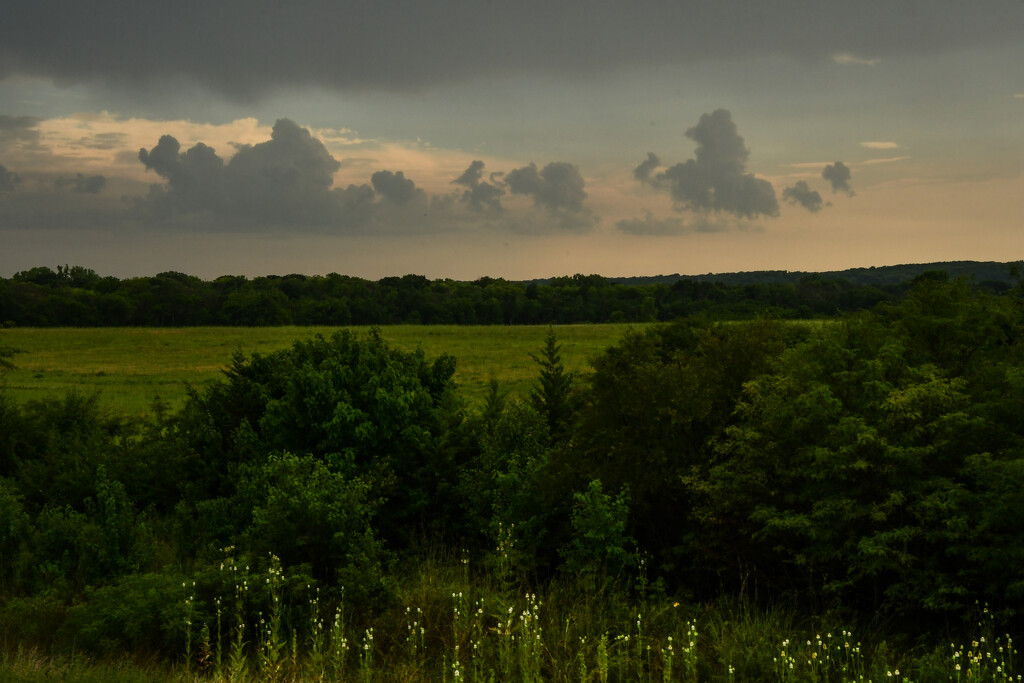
[653, 407]
[506, 488]
[358, 405]
[871, 464]
[601, 548]
[305, 513]
[77, 548]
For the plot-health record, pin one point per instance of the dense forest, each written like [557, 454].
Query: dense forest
[870, 466]
[77, 296]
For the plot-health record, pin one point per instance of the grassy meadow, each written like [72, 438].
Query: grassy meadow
[132, 367]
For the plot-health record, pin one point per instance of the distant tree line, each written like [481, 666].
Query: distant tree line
[77, 296]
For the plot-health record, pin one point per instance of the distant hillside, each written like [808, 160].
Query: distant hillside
[979, 271]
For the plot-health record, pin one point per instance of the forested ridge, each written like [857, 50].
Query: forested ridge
[871, 467]
[79, 297]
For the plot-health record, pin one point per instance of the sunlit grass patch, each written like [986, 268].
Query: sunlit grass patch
[133, 367]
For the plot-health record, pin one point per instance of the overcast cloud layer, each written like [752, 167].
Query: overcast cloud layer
[518, 139]
[245, 48]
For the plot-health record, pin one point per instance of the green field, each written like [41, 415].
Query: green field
[132, 367]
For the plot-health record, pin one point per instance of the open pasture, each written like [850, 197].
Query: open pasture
[133, 367]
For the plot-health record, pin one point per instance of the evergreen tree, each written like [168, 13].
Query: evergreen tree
[553, 396]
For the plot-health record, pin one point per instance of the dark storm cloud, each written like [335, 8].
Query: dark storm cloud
[481, 196]
[82, 184]
[8, 179]
[801, 194]
[243, 48]
[839, 175]
[715, 180]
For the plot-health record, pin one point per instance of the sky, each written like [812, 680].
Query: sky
[526, 139]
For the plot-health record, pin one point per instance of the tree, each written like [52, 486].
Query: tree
[600, 547]
[875, 463]
[653, 406]
[305, 513]
[357, 405]
[553, 396]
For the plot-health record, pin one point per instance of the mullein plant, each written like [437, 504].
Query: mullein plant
[531, 643]
[272, 642]
[316, 638]
[190, 598]
[237, 662]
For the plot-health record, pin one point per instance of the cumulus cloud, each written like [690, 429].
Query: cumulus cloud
[287, 182]
[8, 179]
[82, 184]
[802, 195]
[715, 180]
[472, 175]
[839, 175]
[395, 187]
[557, 189]
[288, 177]
[646, 167]
[195, 179]
[480, 195]
[558, 185]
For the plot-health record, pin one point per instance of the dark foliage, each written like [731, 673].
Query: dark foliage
[77, 296]
[873, 464]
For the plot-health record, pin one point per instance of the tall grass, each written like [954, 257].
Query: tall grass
[489, 635]
[447, 621]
